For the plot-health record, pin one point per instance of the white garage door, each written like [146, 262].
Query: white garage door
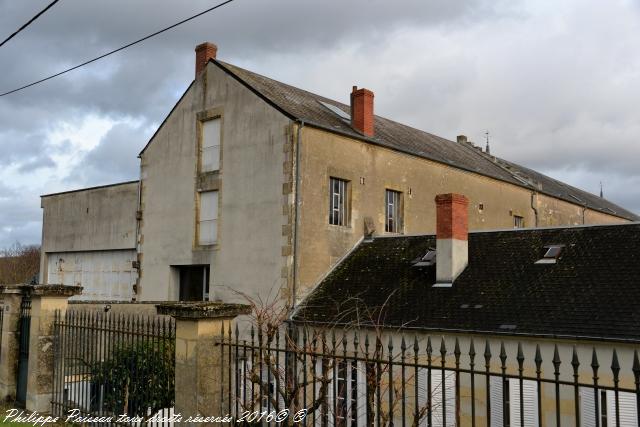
[104, 275]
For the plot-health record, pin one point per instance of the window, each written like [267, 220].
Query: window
[393, 214]
[210, 145]
[208, 218]
[338, 209]
[551, 254]
[518, 221]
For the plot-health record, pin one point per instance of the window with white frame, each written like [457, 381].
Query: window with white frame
[518, 221]
[393, 211]
[208, 218]
[210, 159]
[338, 203]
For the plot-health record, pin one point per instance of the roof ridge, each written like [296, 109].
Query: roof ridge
[410, 140]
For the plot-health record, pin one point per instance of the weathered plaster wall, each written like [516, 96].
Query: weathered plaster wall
[372, 169]
[94, 219]
[247, 256]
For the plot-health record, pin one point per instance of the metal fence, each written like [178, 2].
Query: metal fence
[120, 367]
[1, 326]
[24, 328]
[346, 378]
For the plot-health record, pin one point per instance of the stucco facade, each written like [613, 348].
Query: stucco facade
[272, 198]
[370, 170]
[89, 239]
[247, 256]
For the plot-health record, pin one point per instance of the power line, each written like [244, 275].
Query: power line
[29, 22]
[117, 50]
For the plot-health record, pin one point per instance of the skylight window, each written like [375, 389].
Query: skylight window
[337, 111]
[551, 255]
[427, 260]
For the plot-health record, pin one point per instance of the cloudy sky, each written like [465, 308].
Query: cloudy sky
[557, 84]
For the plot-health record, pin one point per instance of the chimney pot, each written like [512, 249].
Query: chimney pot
[362, 110]
[462, 139]
[452, 234]
[204, 52]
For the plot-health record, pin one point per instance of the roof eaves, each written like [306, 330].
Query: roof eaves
[98, 187]
[630, 340]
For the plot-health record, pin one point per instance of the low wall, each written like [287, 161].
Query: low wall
[146, 308]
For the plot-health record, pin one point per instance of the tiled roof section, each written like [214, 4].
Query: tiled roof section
[300, 104]
[593, 291]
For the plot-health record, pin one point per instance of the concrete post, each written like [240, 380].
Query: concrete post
[198, 379]
[45, 301]
[9, 340]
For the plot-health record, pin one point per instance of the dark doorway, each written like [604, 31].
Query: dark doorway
[194, 282]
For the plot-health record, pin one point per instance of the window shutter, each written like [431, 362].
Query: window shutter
[530, 400]
[626, 407]
[497, 407]
[361, 397]
[587, 407]
[437, 403]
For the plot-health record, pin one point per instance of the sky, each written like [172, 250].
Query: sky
[556, 84]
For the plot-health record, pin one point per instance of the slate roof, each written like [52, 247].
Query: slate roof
[592, 292]
[299, 104]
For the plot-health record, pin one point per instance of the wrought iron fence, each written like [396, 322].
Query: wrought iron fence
[24, 327]
[351, 378]
[114, 367]
[1, 326]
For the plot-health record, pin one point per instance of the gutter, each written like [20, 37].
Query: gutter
[296, 201]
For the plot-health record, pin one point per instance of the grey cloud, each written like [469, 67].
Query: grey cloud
[557, 87]
[114, 159]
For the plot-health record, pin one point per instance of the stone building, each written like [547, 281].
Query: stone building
[254, 186]
[545, 300]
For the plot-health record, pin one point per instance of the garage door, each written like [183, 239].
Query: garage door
[104, 275]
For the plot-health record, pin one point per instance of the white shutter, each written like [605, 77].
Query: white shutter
[211, 145]
[626, 407]
[361, 397]
[587, 407]
[495, 391]
[437, 403]
[208, 232]
[530, 400]
[325, 409]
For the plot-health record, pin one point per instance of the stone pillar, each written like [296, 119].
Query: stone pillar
[45, 301]
[11, 296]
[198, 379]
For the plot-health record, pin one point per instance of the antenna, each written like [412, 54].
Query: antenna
[601, 195]
[487, 149]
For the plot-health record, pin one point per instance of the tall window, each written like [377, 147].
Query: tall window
[338, 204]
[518, 221]
[211, 145]
[208, 218]
[393, 215]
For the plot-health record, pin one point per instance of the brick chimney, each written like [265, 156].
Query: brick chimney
[204, 52]
[452, 233]
[362, 110]
[462, 139]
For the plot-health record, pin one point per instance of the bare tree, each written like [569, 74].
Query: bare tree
[307, 369]
[19, 263]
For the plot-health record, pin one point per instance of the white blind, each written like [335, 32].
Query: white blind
[211, 145]
[208, 224]
[438, 389]
[530, 401]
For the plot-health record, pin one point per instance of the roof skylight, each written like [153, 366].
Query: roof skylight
[551, 255]
[337, 111]
[427, 260]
